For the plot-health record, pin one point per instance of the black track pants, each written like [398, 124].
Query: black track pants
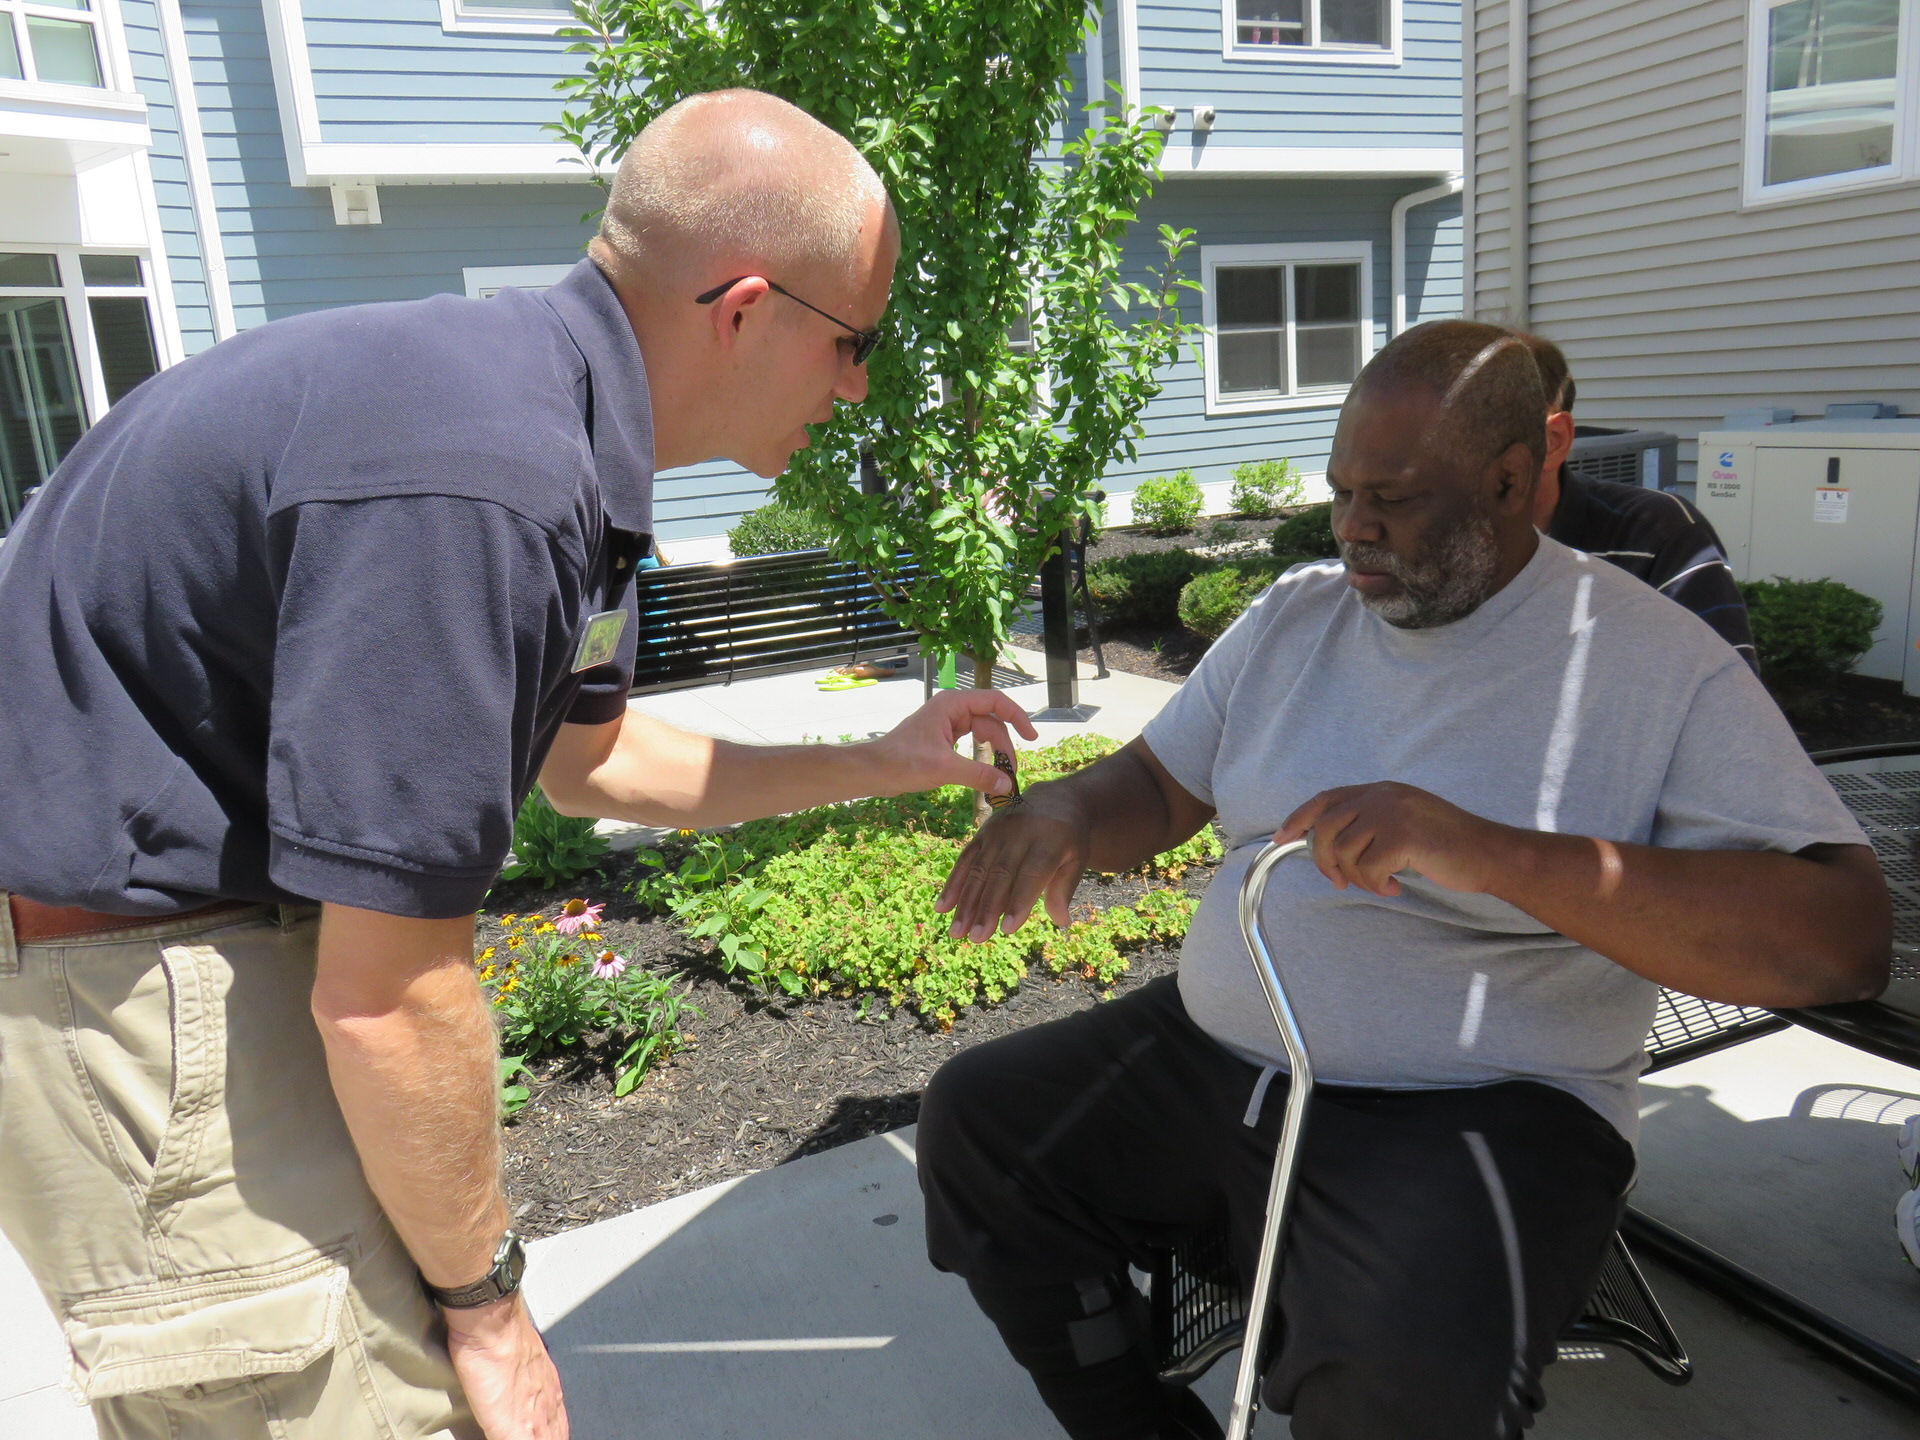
[1440, 1239]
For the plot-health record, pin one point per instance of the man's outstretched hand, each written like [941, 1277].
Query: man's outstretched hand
[1034, 848]
[1365, 834]
[918, 753]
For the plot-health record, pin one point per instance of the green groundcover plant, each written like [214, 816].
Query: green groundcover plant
[1215, 599]
[1307, 532]
[1143, 588]
[839, 900]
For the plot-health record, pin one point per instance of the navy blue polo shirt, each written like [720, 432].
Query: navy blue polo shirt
[297, 620]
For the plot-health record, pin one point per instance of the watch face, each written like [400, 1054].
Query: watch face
[513, 1264]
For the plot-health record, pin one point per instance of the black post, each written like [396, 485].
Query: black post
[1056, 622]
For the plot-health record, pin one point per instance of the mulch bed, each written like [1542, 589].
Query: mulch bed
[764, 1079]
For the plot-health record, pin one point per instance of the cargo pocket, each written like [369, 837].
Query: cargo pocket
[200, 1334]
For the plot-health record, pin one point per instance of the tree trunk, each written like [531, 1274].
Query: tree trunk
[983, 752]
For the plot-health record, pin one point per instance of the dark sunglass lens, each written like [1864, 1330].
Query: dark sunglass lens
[866, 345]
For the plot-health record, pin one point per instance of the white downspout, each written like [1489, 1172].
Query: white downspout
[193, 152]
[1452, 185]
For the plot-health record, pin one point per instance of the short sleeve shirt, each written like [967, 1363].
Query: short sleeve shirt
[298, 619]
[1576, 701]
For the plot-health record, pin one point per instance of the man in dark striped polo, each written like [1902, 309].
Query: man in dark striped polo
[1650, 534]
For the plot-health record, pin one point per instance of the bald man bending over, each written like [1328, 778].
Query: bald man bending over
[287, 639]
[1506, 874]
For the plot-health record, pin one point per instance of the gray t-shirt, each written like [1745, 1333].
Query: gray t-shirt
[1576, 700]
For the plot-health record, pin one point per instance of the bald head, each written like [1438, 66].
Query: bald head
[740, 181]
[1485, 379]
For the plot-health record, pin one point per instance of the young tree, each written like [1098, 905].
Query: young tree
[991, 444]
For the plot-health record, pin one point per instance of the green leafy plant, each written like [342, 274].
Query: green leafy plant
[1143, 588]
[1168, 507]
[554, 987]
[550, 848]
[840, 898]
[1306, 532]
[774, 528]
[1262, 487]
[954, 104]
[1808, 634]
[1213, 601]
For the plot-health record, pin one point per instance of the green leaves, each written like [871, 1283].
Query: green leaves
[550, 848]
[956, 103]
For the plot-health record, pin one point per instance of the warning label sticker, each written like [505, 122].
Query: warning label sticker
[1830, 505]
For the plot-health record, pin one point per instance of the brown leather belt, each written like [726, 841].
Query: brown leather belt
[34, 923]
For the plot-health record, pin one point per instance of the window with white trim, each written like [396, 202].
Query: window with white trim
[1337, 31]
[76, 334]
[1831, 97]
[507, 17]
[51, 42]
[1285, 326]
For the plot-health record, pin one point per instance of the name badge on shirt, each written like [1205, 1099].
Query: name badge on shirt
[600, 641]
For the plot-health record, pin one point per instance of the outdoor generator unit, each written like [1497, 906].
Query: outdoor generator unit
[1827, 500]
[1626, 457]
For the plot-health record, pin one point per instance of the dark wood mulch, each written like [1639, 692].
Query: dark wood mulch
[761, 1080]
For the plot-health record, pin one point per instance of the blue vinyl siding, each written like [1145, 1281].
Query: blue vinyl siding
[284, 252]
[1179, 433]
[385, 72]
[184, 260]
[1265, 102]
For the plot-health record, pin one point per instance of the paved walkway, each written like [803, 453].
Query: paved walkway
[796, 1304]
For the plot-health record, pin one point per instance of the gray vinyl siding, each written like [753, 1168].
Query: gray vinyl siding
[1675, 305]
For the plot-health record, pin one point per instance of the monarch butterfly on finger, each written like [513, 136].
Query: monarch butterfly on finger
[1003, 762]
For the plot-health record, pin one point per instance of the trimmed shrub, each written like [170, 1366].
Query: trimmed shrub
[1262, 487]
[1809, 633]
[775, 528]
[1167, 507]
[1142, 589]
[1306, 532]
[1213, 601]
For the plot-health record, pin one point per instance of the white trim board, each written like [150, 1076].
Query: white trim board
[1343, 162]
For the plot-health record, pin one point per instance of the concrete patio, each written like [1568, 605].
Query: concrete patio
[796, 1303]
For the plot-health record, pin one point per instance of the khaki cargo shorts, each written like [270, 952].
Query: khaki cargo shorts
[175, 1172]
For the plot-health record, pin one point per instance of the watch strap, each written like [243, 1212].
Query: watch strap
[509, 1264]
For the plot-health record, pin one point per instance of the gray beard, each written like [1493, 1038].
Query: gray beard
[1449, 582]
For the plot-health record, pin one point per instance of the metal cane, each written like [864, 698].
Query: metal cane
[1299, 1085]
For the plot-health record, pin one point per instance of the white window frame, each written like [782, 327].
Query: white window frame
[482, 281]
[1311, 53]
[109, 49]
[74, 289]
[456, 18]
[1215, 257]
[75, 292]
[1905, 166]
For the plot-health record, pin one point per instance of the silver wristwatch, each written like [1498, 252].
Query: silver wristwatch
[509, 1264]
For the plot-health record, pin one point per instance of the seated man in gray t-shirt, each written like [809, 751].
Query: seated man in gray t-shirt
[1509, 864]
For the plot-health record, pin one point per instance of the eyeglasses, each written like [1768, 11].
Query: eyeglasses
[865, 341]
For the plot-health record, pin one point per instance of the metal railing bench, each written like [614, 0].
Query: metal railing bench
[720, 621]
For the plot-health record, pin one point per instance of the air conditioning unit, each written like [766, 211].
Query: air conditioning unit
[1626, 457]
[1836, 499]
